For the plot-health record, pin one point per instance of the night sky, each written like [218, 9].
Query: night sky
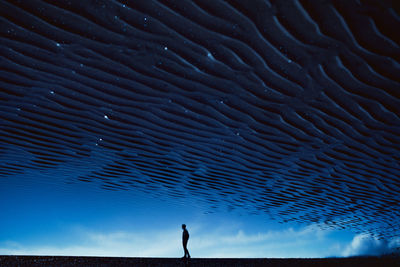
[270, 128]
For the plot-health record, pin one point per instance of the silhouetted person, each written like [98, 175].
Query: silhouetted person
[185, 238]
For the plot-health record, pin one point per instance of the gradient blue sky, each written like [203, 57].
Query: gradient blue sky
[291, 103]
[43, 215]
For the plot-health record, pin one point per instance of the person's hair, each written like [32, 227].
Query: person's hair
[183, 225]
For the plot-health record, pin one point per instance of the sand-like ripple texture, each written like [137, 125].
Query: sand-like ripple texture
[290, 108]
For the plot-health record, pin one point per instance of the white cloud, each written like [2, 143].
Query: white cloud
[207, 242]
[304, 242]
[162, 244]
[367, 245]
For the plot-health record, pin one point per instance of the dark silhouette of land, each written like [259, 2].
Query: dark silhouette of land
[62, 261]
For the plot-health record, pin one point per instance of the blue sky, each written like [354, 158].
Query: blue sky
[44, 217]
[287, 107]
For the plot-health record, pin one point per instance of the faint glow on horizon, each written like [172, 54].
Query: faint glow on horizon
[307, 242]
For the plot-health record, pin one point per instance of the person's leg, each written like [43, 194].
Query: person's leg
[186, 250]
[187, 253]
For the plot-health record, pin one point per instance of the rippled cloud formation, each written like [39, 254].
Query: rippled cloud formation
[289, 108]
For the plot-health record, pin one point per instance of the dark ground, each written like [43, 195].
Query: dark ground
[6, 261]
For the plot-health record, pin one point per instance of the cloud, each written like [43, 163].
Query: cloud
[367, 245]
[240, 237]
[310, 241]
[224, 241]
[88, 243]
[209, 242]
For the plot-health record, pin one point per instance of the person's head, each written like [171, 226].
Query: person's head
[183, 226]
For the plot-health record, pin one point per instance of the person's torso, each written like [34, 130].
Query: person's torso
[185, 235]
